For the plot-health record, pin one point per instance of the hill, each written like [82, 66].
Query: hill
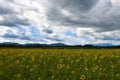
[55, 45]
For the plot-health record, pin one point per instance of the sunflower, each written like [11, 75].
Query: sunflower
[33, 58]
[39, 78]
[59, 66]
[96, 67]
[18, 75]
[82, 77]
[118, 75]
[0, 62]
[17, 62]
[75, 66]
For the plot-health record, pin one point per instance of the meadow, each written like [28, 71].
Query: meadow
[59, 64]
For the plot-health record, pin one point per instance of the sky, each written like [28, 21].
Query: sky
[72, 22]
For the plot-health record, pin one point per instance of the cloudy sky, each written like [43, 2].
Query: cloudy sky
[73, 22]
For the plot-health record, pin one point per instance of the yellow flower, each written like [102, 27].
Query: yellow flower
[52, 72]
[32, 58]
[67, 67]
[17, 62]
[73, 72]
[96, 67]
[86, 68]
[118, 75]
[61, 60]
[102, 57]
[82, 77]
[39, 78]
[1, 72]
[31, 69]
[75, 66]
[27, 66]
[35, 66]
[53, 77]
[59, 66]
[112, 66]
[77, 60]
[95, 58]
[0, 62]
[18, 75]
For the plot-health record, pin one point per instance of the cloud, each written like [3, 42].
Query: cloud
[48, 31]
[98, 14]
[15, 36]
[78, 5]
[5, 7]
[93, 14]
[10, 14]
[65, 21]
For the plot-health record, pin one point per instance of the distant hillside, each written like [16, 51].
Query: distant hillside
[7, 44]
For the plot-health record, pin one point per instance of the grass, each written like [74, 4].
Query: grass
[59, 64]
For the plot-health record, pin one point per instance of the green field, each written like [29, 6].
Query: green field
[59, 64]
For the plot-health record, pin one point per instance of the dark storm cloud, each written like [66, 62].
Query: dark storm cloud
[73, 5]
[12, 20]
[11, 15]
[10, 36]
[5, 8]
[14, 36]
[100, 14]
[85, 13]
[48, 31]
[111, 38]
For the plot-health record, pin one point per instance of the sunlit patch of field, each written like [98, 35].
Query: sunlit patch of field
[59, 64]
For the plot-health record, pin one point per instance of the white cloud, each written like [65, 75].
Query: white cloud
[3, 30]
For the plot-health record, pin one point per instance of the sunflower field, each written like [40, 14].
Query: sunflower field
[59, 64]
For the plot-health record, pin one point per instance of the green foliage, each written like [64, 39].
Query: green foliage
[59, 64]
